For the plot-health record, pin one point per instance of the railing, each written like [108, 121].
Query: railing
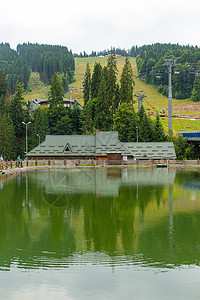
[91, 162]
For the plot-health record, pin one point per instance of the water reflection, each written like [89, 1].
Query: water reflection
[113, 216]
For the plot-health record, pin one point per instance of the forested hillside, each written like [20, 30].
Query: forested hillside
[14, 68]
[185, 74]
[48, 59]
[150, 63]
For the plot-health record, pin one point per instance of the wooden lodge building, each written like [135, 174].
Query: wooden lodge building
[44, 102]
[103, 145]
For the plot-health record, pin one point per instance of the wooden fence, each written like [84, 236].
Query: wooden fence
[91, 162]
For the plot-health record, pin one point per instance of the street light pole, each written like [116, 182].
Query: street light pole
[38, 137]
[26, 124]
[137, 133]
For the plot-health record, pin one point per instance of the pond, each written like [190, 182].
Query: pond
[100, 234]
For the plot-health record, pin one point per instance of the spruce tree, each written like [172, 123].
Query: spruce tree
[76, 120]
[127, 83]
[145, 128]
[125, 121]
[87, 84]
[7, 135]
[159, 135]
[112, 83]
[196, 90]
[16, 114]
[56, 91]
[88, 123]
[103, 114]
[40, 125]
[96, 79]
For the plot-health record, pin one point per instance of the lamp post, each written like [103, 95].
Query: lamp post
[38, 137]
[137, 133]
[26, 124]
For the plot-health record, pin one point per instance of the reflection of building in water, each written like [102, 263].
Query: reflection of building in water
[100, 182]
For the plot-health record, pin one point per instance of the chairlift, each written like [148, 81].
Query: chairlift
[153, 73]
[192, 72]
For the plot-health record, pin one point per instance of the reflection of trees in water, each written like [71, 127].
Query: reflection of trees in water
[155, 244]
[108, 225]
[110, 221]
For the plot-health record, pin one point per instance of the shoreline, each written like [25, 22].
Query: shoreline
[140, 166]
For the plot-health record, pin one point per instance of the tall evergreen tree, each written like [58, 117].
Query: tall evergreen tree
[76, 120]
[56, 91]
[125, 121]
[7, 138]
[102, 113]
[145, 128]
[16, 114]
[127, 83]
[96, 79]
[87, 84]
[196, 90]
[40, 125]
[3, 86]
[112, 82]
[88, 116]
[159, 135]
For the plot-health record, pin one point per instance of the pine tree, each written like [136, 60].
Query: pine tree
[127, 83]
[76, 120]
[96, 79]
[87, 84]
[102, 113]
[56, 91]
[88, 123]
[159, 135]
[145, 128]
[16, 114]
[3, 86]
[111, 83]
[196, 90]
[7, 136]
[125, 121]
[40, 126]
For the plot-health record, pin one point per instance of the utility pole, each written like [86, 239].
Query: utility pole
[26, 124]
[170, 63]
[140, 95]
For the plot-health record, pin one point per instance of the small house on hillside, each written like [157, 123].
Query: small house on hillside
[103, 145]
[44, 102]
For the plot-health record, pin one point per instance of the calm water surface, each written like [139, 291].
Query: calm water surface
[100, 234]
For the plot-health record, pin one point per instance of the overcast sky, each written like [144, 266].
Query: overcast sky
[97, 25]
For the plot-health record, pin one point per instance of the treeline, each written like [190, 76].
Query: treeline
[15, 68]
[133, 52]
[185, 73]
[48, 59]
[155, 50]
[44, 59]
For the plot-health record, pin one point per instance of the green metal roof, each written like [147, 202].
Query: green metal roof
[100, 144]
[151, 150]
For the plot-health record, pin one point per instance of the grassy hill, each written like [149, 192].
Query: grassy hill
[153, 101]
